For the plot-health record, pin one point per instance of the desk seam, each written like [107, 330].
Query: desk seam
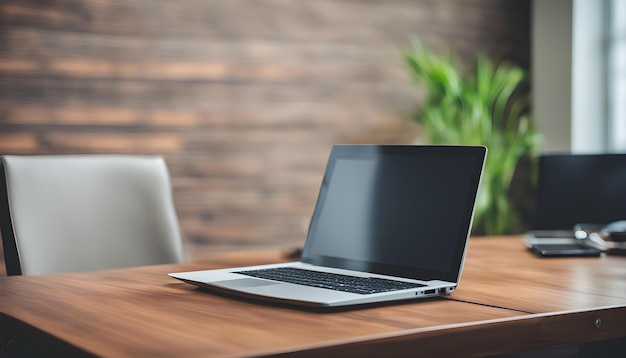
[488, 305]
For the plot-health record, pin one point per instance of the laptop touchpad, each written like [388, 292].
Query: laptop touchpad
[245, 282]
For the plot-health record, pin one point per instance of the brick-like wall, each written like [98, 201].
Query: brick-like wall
[244, 98]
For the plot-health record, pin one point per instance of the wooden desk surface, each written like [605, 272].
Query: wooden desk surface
[501, 272]
[143, 312]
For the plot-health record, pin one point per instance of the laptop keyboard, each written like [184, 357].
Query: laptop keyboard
[332, 281]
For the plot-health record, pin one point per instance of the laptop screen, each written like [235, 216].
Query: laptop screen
[583, 188]
[396, 210]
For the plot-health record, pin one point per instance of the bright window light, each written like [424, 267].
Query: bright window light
[617, 76]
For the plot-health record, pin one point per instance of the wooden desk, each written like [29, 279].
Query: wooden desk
[508, 300]
[501, 272]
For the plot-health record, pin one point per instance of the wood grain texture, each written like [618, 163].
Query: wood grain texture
[493, 337]
[243, 98]
[503, 272]
[143, 312]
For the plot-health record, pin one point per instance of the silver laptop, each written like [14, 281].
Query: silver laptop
[391, 223]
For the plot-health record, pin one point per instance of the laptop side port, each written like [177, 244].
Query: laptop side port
[430, 292]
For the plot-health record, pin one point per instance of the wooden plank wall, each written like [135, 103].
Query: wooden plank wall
[244, 98]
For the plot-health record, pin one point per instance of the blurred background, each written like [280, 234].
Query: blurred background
[244, 98]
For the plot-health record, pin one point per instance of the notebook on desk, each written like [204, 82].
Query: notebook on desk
[391, 223]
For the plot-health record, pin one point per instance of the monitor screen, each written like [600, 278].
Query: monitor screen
[401, 210]
[575, 189]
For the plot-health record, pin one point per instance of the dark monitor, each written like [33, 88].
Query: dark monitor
[583, 188]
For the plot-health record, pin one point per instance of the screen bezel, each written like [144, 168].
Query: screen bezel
[475, 153]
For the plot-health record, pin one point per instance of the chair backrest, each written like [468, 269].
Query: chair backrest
[62, 213]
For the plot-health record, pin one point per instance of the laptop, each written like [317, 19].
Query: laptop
[577, 194]
[391, 222]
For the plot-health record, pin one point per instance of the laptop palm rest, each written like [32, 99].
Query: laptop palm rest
[245, 282]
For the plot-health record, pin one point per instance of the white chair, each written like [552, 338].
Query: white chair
[61, 213]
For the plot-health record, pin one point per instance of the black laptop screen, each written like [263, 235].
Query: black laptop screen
[397, 210]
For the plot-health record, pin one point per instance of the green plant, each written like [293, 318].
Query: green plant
[479, 108]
